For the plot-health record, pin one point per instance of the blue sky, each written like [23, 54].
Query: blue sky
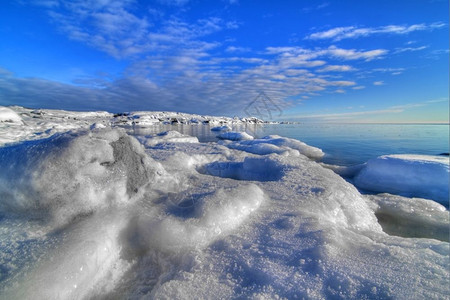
[325, 61]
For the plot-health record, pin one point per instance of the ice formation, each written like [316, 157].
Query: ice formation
[276, 144]
[97, 213]
[234, 136]
[422, 176]
[10, 116]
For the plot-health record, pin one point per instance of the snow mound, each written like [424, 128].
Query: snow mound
[214, 215]
[7, 115]
[171, 136]
[73, 174]
[235, 136]
[278, 145]
[421, 176]
[221, 128]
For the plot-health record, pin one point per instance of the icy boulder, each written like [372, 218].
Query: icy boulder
[276, 144]
[73, 174]
[421, 176]
[235, 136]
[7, 115]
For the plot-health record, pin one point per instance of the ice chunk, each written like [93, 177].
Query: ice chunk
[235, 136]
[9, 116]
[171, 136]
[421, 176]
[221, 128]
[73, 174]
[276, 144]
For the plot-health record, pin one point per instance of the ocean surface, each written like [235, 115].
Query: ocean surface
[343, 144]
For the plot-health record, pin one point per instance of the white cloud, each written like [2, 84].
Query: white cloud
[237, 49]
[359, 87]
[378, 83]
[337, 68]
[352, 54]
[409, 49]
[340, 33]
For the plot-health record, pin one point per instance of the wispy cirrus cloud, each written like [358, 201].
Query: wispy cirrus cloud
[174, 63]
[337, 68]
[116, 27]
[352, 32]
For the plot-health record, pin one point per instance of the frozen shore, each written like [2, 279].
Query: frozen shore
[99, 213]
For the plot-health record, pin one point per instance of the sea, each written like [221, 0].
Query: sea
[343, 144]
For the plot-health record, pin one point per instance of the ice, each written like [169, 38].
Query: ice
[252, 168]
[10, 116]
[73, 174]
[97, 214]
[411, 217]
[167, 137]
[221, 128]
[277, 144]
[421, 176]
[234, 136]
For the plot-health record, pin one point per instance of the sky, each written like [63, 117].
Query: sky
[309, 61]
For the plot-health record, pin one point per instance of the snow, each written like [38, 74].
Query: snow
[234, 136]
[98, 213]
[10, 116]
[422, 176]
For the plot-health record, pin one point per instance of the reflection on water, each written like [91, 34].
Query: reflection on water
[344, 144]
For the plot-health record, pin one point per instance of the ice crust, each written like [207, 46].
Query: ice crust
[97, 214]
[422, 176]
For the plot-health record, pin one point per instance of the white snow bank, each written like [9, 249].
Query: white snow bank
[171, 136]
[234, 136]
[221, 128]
[277, 144]
[9, 116]
[411, 217]
[73, 174]
[421, 176]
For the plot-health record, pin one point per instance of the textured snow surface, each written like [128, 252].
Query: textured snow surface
[99, 214]
[410, 175]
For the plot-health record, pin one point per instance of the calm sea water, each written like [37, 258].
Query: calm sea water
[343, 144]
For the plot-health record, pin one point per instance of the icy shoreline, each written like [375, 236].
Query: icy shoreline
[99, 213]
